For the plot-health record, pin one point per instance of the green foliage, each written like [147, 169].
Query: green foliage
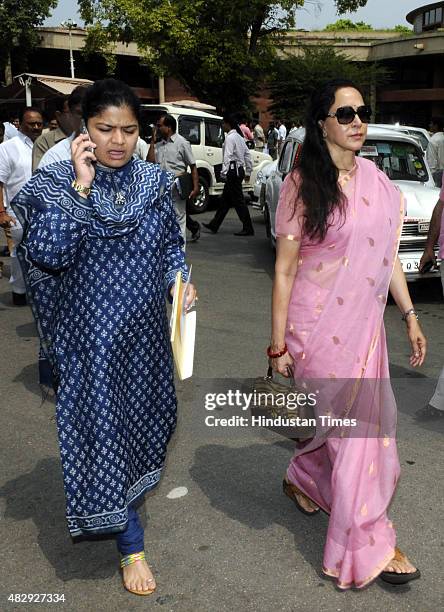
[360, 26]
[348, 24]
[349, 6]
[18, 21]
[218, 50]
[403, 30]
[295, 77]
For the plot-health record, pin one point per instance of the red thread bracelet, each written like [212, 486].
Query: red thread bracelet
[276, 355]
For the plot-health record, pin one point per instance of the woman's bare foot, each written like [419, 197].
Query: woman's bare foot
[400, 564]
[138, 577]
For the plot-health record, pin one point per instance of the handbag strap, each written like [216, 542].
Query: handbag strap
[270, 374]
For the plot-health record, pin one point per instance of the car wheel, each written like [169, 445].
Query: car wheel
[202, 201]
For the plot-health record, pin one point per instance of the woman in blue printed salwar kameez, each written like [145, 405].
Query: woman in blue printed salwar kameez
[101, 251]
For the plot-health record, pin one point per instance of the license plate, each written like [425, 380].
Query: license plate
[410, 265]
[423, 227]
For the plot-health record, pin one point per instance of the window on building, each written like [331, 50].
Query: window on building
[432, 18]
[189, 128]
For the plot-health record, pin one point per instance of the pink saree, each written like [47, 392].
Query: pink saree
[335, 334]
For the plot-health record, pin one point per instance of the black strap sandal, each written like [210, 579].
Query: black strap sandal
[396, 577]
[290, 490]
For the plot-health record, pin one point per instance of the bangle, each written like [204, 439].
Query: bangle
[412, 311]
[80, 188]
[278, 354]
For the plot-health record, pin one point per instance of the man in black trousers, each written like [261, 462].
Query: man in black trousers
[237, 167]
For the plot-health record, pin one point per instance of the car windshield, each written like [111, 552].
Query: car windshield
[421, 138]
[401, 161]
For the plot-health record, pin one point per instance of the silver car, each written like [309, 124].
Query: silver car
[401, 157]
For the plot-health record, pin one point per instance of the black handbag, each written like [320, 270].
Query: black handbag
[186, 185]
[286, 409]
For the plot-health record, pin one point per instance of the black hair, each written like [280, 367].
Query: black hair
[439, 122]
[76, 96]
[108, 92]
[319, 189]
[169, 121]
[58, 104]
[2, 126]
[28, 109]
[233, 123]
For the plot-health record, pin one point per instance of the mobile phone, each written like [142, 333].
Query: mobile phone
[84, 130]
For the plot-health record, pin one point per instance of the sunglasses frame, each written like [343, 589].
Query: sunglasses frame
[364, 108]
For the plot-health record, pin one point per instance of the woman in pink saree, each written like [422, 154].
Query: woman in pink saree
[338, 225]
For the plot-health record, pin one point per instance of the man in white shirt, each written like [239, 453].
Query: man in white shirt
[435, 149]
[282, 134]
[15, 171]
[11, 127]
[237, 167]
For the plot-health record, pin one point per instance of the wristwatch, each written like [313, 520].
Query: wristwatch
[80, 188]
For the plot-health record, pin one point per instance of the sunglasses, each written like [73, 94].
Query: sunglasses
[346, 114]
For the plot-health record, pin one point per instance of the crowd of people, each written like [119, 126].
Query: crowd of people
[97, 238]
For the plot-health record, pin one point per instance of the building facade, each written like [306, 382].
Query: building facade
[416, 63]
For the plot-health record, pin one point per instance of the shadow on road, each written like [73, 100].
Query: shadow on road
[27, 330]
[38, 496]
[29, 377]
[6, 299]
[253, 497]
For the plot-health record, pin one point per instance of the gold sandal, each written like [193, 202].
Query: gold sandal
[129, 560]
[290, 491]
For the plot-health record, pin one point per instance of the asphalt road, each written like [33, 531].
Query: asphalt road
[233, 542]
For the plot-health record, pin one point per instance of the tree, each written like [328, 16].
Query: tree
[348, 24]
[18, 21]
[218, 50]
[295, 77]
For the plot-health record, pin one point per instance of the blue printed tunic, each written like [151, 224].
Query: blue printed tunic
[97, 271]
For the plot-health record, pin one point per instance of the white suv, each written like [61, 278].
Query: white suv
[204, 132]
[400, 156]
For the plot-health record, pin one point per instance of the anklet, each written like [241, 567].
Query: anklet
[133, 558]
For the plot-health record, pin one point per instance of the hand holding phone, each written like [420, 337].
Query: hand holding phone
[427, 267]
[83, 158]
[428, 261]
[84, 130]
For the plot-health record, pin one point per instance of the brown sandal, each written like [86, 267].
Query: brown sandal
[290, 491]
[399, 577]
